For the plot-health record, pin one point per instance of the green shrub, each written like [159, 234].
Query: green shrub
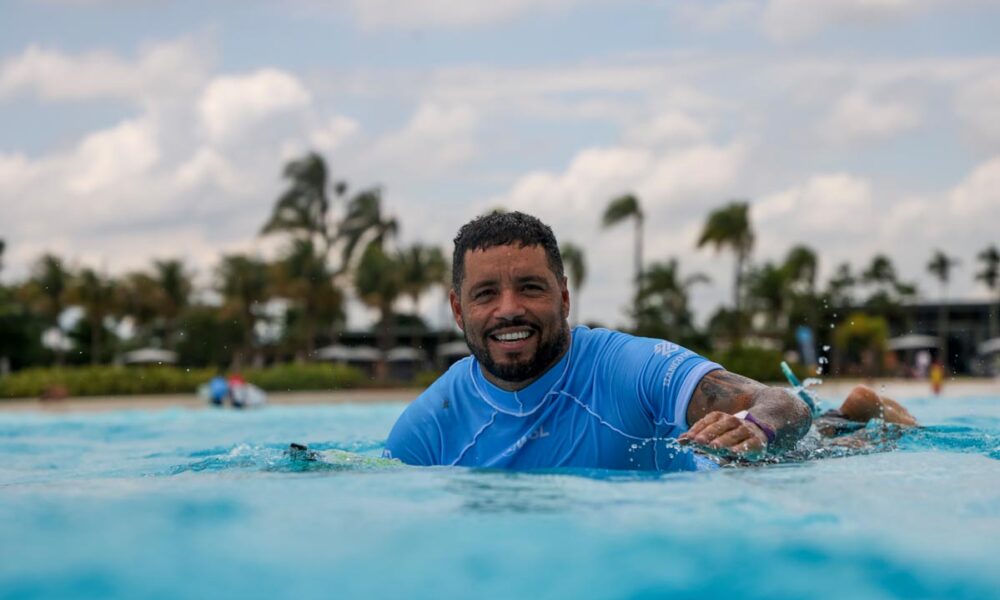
[117, 380]
[756, 363]
[300, 377]
[103, 381]
[424, 379]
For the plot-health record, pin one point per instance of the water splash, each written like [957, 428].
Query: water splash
[244, 457]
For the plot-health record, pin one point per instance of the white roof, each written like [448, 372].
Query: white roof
[459, 348]
[990, 346]
[149, 356]
[404, 354]
[913, 341]
[339, 353]
[335, 352]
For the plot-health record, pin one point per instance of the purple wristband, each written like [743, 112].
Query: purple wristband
[765, 428]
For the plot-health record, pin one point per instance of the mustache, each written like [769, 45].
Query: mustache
[512, 323]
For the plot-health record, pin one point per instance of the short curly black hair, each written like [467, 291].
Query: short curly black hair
[503, 229]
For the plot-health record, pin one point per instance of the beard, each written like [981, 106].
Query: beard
[546, 355]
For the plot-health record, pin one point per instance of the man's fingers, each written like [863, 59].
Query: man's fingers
[701, 424]
[732, 438]
[720, 425]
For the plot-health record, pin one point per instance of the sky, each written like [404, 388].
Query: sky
[142, 130]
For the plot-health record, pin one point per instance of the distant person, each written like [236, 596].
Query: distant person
[218, 391]
[535, 394]
[923, 363]
[937, 377]
[237, 390]
[245, 395]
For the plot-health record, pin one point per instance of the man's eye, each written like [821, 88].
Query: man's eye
[482, 294]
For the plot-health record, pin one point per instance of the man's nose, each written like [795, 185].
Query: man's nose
[510, 305]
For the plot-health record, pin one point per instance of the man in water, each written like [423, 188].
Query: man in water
[536, 395]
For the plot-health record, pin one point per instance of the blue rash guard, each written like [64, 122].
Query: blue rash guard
[607, 404]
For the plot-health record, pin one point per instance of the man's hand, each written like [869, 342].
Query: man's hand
[721, 394]
[718, 431]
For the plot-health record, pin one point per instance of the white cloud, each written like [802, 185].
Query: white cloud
[334, 133]
[104, 158]
[786, 20]
[711, 16]
[978, 106]
[209, 167]
[977, 198]
[837, 203]
[668, 129]
[169, 68]
[857, 117]
[230, 104]
[696, 172]
[435, 139]
[374, 14]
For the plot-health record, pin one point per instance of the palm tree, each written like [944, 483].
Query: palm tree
[46, 292]
[96, 294]
[303, 208]
[243, 284]
[940, 266]
[729, 227]
[363, 224]
[379, 283]
[422, 268]
[175, 292]
[990, 276]
[768, 292]
[140, 298]
[663, 310]
[627, 207]
[576, 268]
[801, 265]
[303, 275]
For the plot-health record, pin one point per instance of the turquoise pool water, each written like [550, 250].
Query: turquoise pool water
[205, 504]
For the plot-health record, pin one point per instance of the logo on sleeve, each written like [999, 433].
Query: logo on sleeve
[666, 348]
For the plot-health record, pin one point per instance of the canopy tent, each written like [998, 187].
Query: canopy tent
[339, 353]
[913, 341]
[405, 354]
[149, 356]
[989, 346]
[451, 349]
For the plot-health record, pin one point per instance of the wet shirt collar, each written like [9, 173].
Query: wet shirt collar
[525, 401]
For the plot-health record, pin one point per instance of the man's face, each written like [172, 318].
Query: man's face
[513, 311]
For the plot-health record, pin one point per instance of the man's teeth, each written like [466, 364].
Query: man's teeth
[513, 336]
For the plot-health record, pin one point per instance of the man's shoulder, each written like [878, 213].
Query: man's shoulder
[599, 339]
[456, 380]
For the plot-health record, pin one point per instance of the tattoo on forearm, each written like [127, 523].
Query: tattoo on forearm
[722, 390]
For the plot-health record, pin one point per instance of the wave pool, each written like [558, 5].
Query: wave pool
[206, 503]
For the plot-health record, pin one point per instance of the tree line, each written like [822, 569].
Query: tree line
[336, 240]
[771, 299]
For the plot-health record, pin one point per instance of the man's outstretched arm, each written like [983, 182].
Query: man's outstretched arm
[721, 394]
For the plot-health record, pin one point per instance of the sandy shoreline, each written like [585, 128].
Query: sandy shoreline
[838, 388]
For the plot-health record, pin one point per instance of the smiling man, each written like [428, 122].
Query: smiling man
[536, 395]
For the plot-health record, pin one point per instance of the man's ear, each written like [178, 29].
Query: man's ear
[564, 291]
[456, 309]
